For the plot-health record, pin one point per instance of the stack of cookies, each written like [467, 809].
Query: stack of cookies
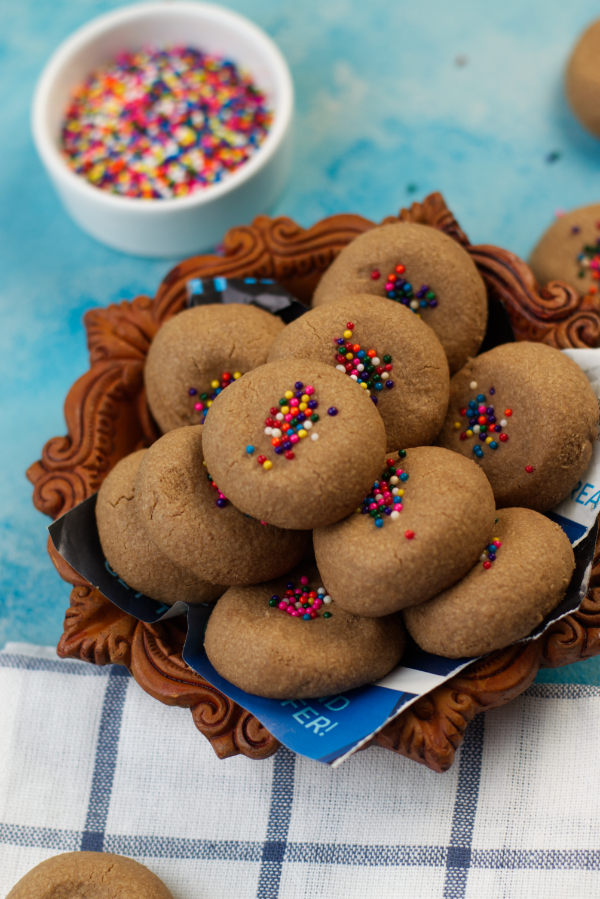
[329, 486]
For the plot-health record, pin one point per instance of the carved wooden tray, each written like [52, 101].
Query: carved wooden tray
[107, 417]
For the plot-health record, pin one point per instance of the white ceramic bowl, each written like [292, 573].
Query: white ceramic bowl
[172, 227]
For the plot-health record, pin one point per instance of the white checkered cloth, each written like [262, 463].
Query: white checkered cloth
[88, 760]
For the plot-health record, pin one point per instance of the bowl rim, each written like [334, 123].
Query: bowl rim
[47, 147]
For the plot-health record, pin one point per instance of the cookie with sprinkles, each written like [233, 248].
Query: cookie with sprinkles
[423, 270]
[269, 651]
[501, 602]
[389, 353]
[131, 553]
[422, 526]
[569, 250]
[199, 353]
[197, 526]
[528, 416]
[295, 443]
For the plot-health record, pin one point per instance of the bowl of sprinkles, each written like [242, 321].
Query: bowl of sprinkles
[163, 125]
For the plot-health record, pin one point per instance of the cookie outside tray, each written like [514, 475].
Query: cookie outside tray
[529, 417]
[302, 465]
[423, 268]
[384, 347]
[101, 875]
[502, 600]
[582, 79]
[420, 530]
[254, 641]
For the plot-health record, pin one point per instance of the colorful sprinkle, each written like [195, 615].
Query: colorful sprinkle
[363, 366]
[482, 422]
[301, 602]
[386, 495]
[529, 469]
[221, 500]
[589, 259]
[160, 124]
[399, 289]
[205, 400]
[291, 421]
[488, 556]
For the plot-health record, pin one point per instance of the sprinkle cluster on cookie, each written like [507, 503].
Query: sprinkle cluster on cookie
[483, 422]
[488, 556]
[300, 602]
[386, 495]
[589, 258]
[399, 289]
[363, 366]
[205, 400]
[290, 422]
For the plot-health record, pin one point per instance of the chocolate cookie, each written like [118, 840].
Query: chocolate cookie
[422, 268]
[274, 642]
[198, 353]
[569, 250]
[388, 351]
[522, 576]
[192, 522]
[421, 528]
[527, 414]
[131, 553]
[582, 79]
[295, 443]
[89, 875]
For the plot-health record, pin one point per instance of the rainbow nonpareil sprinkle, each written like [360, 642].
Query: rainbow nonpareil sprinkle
[301, 602]
[159, 124]
[363, 366]
[290, 422]
[483, 422]
[385, 497]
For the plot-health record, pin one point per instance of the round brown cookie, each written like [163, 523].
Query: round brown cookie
[262, 649]
[567, 249]
[197, 528]
[582, 79]
[544, 415]
[495, 605]
[328, 454]
[443, 512]
[406, 374]
[129, 550]
[446, 288]
[198, 352]
[89, 875]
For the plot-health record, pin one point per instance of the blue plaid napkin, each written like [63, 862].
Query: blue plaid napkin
[89, 761]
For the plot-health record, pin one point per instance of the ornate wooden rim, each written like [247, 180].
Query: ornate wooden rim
[107, 417]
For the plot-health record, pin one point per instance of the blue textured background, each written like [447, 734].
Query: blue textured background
[384, 116]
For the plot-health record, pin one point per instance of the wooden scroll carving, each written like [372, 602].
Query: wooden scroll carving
[107, 417]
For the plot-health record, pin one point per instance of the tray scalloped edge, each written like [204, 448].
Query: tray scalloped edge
[107, 417]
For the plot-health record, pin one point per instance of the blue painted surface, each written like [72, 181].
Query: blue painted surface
[385, 115]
